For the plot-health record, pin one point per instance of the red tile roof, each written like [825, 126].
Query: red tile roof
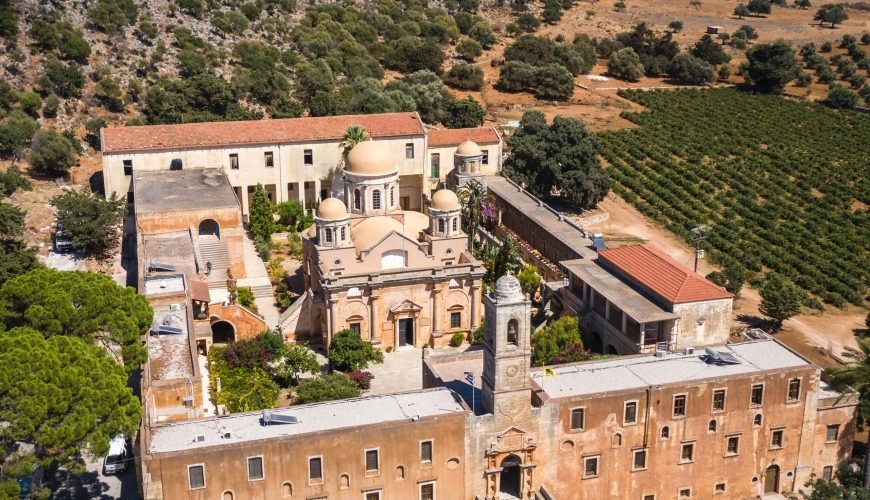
[661, 274]
[453, 136]
[195, 135]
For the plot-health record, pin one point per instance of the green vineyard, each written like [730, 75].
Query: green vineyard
[783, 185]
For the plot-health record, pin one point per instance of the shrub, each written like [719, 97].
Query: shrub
[296, 360]
[247, 353]
[242, 389]
[410, 54]
[52, 153]
[362, 379]
[841, 97]
[91, 221]
[463, 113]
[61, 78]
[349, 352]
[528, 23]
[327, 388]
[625, 65]
[457, 339]
[111, 16]
[246, 298]
[109, 93]
[690, 69]
[10, 181]
[560, 336]
[465, 76]
[529, 280]
[478, 336]
[232, 23]
[482, 32]
[30, 103]
[469, 49]
[826, 47]
[50, 106]
[803, 79]
[675, 26]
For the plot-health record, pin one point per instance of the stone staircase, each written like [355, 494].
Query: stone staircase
[260, 286]
[213, 250]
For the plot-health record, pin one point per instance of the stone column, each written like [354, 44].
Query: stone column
[436, 311]
[300, 191]
[330, 326]
[375, 335]
[317, 190]
[475, 300]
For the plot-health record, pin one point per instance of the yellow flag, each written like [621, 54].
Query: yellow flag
[548, 372]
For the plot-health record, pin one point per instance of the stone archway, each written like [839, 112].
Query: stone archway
[611, 349]
[511, 475]
[222, 332]
[209, 228]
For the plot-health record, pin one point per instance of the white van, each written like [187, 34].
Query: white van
[116, 460]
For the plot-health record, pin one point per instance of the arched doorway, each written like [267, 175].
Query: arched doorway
[597, 344]
[510, 475]
[209, 228]
[611, 349]
[222, 332]
[771, 479]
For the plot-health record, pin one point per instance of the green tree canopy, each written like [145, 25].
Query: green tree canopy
[841, 97]
[91, 221]
[63, 395]
[349, 352]
[563, 155]
[52, 153]
[833, 14]
[780, 298]
[16, 131]
[16, 257]
[327, 388]
[856, 374]
[529, 279]
[770, 66]
[625, 65]
[759, 7]
[261, 220]
[554, 339]
[463, 113]
[242, 388]
[707, 49]
[690, 69]
[79, 304]
[296, 360]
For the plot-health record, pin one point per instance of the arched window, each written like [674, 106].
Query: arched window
[228, 495]
[327, 234]
[617, 439]
[392, 196]
[512, 332]
[343, 233]
[376, 199]
[356, 199]
[287, 490]
[666, 432]
[440, 225]
[712, 426]
[757, 420]
[454, 222]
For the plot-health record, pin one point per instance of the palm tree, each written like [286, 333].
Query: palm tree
[472, 196]
[856, 374]
[353, 135]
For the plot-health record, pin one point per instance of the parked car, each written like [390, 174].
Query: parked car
[62, 241]
[118, 457]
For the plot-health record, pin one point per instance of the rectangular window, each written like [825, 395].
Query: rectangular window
[680, 405]
[578, 419]
[269, 158]
[757, 397]
[196, 476]
[733, 445]
[590, 466]
[355, 328]
[255, 468]
[234, 161]
[308, 157]
[427, 491]
[455, 320]
[630, 414]
[649, 497]
[409, 150]
[833, 433]
[776, 438]
[719, 488]
[435, 167]
[794, 389]
[639, 460]
[426, 451]
[719, 400]
[828, 472]
[371, 460]
[315, 470]
[687, 453]
[128, 167]
[685, 493]
[485, 159]
[372, 495]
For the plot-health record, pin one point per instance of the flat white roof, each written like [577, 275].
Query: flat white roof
[164, 284]
[637, 372]
[244, 427]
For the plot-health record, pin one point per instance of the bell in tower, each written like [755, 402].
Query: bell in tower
[507, 349]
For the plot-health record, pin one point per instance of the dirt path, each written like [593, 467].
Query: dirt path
[816, 335]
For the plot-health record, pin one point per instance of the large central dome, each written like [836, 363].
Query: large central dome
[370, 158]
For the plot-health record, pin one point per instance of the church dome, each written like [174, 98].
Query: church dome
[331, 209]
[508, 287]
[370, 158]
[445, 200]
[468, 148]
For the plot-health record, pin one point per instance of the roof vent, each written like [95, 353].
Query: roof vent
[199, 439]
[720, 358]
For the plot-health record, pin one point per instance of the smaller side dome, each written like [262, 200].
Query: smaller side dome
[331, 209]
[508, 287]
[445, 200]
[370, 158]
[468, 148]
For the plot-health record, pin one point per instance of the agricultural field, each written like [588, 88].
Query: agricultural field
[783, 185]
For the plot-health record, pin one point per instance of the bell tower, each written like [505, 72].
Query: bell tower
[507, 349]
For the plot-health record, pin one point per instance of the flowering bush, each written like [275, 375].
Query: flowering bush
[363, 379]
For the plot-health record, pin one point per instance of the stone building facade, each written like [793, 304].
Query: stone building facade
[399, 278]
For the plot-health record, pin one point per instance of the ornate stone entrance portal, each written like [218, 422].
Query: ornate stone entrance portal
[510, 470]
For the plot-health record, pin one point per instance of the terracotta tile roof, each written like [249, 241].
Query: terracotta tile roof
[661, 274]
[453, 136]
[287, 130]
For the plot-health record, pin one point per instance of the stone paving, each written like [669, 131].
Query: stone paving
[403, 370]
